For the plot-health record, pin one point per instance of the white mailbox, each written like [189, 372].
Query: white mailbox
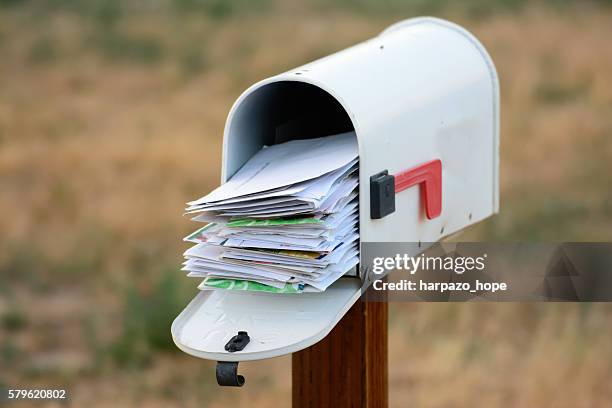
[423, 100]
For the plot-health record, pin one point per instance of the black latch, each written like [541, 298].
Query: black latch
[382, 194]
[227, 374]
[227, 371]
[238, 342]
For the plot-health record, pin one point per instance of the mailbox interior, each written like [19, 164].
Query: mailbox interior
[278, 112]
[277, 324]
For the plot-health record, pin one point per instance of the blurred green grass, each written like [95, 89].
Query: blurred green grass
[146, 317]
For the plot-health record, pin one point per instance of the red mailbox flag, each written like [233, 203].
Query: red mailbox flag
[429, 176]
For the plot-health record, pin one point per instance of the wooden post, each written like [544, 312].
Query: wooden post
[348, 368]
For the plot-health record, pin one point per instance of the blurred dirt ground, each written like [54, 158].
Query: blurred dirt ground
[111, 117]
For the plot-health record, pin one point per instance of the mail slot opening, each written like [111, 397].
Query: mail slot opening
[278, 112]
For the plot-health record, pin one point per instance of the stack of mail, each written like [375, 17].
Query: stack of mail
[286, 222]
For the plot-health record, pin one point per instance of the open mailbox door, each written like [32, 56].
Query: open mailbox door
[277, 324]
[423, 101]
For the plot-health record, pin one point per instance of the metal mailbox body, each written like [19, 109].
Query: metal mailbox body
[424, 89]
